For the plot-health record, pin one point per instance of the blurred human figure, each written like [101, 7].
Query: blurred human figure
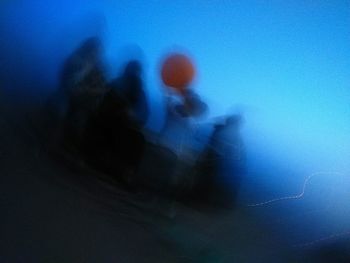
[220, 169]
[181, 113]
[83, 86]
[176, 139]
[79, 64]
[115, 142]
[129, 86]
[183, 106]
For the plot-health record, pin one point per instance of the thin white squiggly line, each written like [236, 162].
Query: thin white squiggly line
[293, 196]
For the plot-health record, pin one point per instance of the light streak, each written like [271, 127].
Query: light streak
[293, 197]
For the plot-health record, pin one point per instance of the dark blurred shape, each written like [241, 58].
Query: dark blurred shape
[166, 165]
[335, 252]
[114, 142]
[157, 171]
[99, 123]
[79, 64]
[81, 89]
[103, 125]
[129, 86]
[220, 168]
[83, 84]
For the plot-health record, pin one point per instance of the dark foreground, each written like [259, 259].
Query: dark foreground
[53, 212]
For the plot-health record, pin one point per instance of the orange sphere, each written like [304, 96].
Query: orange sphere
[177, 71]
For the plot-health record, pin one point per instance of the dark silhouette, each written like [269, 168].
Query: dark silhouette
[174, 153]
[114, 142]
[130, 88]
[83, 85]
[80, 64]
[221, 166]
